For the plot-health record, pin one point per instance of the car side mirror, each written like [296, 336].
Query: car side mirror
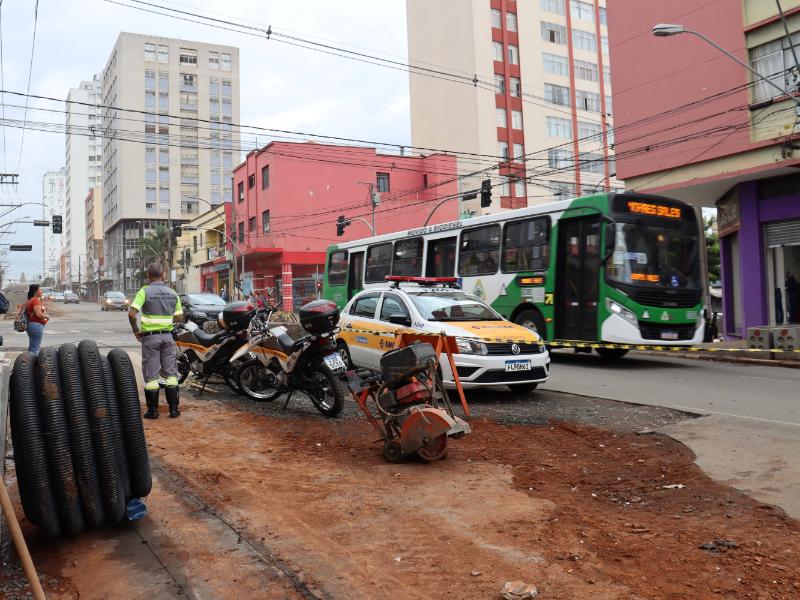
[400, 319]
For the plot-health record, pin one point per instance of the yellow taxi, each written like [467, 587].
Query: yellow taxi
[492, 350]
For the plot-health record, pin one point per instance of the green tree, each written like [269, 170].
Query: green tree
[712, 248]
[153, 248]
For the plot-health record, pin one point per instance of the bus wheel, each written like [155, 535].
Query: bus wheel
[611, 353]
[532, 319]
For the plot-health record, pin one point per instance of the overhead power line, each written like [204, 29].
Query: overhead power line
[30, 73]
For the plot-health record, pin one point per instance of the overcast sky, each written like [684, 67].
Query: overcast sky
[281, 86]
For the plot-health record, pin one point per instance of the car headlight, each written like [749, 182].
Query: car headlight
[199, 314]
[617, 309]
[108, 300]
[471, 346]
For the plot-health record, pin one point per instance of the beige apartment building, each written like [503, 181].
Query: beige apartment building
[95, 260]
[171, 141]
[539, 103]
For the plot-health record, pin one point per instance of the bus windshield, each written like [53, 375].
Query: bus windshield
[654, 256]
[452, 306]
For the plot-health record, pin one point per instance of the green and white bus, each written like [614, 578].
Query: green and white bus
[620, 267]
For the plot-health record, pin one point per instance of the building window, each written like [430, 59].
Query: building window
[188, 57]
[150, 155]
[513, 55]
[265, 177]
[587, 100]
[555, 64]
[497, 19]
[251, 224]
[213, 61]
[774, 61]
[557, 94]
[500, 116]
[150, 52]
[511, 21]
[604, 44]
[556, 34]
[188, 82]
[603, 16]
[149, 80]
[591, 162]
[227, 88]
[163, 176]
[519, 188]
[251, 182]
[383, 182]
[225, 61]
[553, 6]
[559, 158]
[241, 191]
[163, 156]
[562, 190]
[163, 54]
[560, 128]
[500, 83]
[589, 131]
[150, 175]
[502, 150]
[586, 70]
[265, 221]
[149, 99]
[213, 106]
[227, 107]
[519, 153]
[608, 105]
[582, 11]
[194, 243]
[227, 161]
[516, 87]
[497, 49]
[163, 100]
[516, 119]
[241, 232]
[584, 40]
[607, 75]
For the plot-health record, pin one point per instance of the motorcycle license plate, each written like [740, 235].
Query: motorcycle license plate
[335, 363]
[518, 365]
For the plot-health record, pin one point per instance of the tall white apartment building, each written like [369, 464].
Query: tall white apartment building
[84, 164]
[54, 196]
[540, 105]
[170, 144]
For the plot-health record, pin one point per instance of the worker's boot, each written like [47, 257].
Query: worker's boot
[172, 401]
[151, 397]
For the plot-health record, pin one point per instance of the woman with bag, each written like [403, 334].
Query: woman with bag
[37, 318]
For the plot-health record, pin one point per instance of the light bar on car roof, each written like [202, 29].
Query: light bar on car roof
[422, 280]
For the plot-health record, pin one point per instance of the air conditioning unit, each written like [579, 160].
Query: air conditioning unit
[787, 338]
[759, 337]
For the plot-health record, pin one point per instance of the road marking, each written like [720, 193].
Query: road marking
[767, 379]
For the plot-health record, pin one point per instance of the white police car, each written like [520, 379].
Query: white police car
[492, 350]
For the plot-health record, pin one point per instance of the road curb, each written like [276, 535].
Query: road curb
[762, 362]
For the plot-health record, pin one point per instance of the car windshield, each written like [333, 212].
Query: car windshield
[452, 306]
[206, 299]
[654, 256]
[115, 295]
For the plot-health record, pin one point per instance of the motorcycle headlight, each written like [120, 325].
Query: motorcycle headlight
[617, 309]
[200, 314]
[471, 346]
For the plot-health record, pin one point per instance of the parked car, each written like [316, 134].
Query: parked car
[57, 297]
[71, 298]
[201, 307]
[115, 301]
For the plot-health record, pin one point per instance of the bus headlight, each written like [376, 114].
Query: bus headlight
[471, 346]
[617, 309]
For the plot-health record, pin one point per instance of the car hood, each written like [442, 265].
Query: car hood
[486, 331]
[207, 308]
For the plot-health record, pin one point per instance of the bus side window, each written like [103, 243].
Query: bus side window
[526, 245]
[480, 251]
[441, 261]
[408, 257]
[379, 263]
[337, 268]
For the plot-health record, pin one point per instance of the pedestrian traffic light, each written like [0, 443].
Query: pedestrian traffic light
[341, 223]
[486, 193]
[57, 224]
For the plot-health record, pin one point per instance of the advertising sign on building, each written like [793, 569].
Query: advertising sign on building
[728, 217]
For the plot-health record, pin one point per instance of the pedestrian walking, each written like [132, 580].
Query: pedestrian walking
[224, 294]
[36, 312]
[157, 306]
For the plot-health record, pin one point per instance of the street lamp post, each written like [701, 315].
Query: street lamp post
[669, 29]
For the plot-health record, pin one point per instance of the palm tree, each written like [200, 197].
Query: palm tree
[153, 248]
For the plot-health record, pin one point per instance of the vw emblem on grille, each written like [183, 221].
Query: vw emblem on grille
[515, 348]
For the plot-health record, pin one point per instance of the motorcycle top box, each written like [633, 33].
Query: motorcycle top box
[319, 316]
[236, 316]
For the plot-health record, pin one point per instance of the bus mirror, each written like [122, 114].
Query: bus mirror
[609, 241]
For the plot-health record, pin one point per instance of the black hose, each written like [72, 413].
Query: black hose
[54, 428]
[101, 425]
[132, 427]
[80, 434]
[30, 453]
[113, 409]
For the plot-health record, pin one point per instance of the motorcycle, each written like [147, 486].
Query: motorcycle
[283, 365]
[209, 354]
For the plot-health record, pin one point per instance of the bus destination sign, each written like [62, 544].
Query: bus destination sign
[654, 209]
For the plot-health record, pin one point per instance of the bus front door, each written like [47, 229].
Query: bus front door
[577, 273]
[355, 275]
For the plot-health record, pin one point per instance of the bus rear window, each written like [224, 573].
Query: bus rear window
[337, 268]
[408, 257]
[379, 263]
[526, 245]
[480, 251]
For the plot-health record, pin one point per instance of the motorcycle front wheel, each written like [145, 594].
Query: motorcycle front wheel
[184, 368]
[257, 382]
[326, 390]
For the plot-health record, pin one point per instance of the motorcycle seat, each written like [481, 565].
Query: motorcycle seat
[209, 339]
[290, 345]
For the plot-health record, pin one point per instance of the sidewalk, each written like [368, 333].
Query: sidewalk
[724, 351]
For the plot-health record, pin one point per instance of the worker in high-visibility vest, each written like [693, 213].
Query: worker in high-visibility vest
[157, 307]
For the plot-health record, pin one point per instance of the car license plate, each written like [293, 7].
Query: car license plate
[669, 335]
[335, 363]
[518, 365]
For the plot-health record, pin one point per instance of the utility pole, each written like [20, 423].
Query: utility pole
[169, 241]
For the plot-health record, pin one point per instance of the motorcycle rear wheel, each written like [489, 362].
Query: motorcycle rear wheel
[327, 392]
[257, 382]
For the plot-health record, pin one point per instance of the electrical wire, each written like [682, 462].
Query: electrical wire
[30, 73]
[2, 85]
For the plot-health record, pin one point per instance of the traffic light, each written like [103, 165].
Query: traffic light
[57, 224]
[486, 193]
[176, 231]
[341, 223]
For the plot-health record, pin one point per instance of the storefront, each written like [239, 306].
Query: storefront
[759, 228]
[214, 276]
[293, 278]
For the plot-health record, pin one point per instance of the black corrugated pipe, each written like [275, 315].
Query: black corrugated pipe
[113, 409]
